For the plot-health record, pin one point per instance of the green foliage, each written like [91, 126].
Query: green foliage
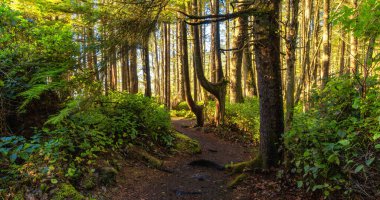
[363, 21]
[242, 116]
[73, 140]
[333, 147]
[34, 55]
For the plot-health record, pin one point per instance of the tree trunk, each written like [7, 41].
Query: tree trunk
[133, 71]
[213, 48]
[236, 93]
[291, 45]
[342, 53]
[326, 43]
[267, 55]
[354, 45]
[167, 65]
[250, 74]
[124, 67]
[197, 110]
[368, 63]
[146, 67]
[228, 55]
[113, 70]
[218, 89]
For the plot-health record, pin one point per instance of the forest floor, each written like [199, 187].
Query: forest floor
[137, 181]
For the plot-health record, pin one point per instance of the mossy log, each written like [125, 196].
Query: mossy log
[240, 167]
[185, 144]
[143, 155]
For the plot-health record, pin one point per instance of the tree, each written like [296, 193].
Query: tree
[240, 36]
[196, 109]
[291, 44]
[326, 43]
[133, 71]
[146, 69]
[217, 89]
[267, 54]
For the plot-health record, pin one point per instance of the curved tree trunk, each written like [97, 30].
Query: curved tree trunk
[197, 110]
[217, 89]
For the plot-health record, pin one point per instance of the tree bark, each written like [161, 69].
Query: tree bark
[167, 65]
[267, 55]
[342, 53]
[241, 33]
[354, 46]
[133, 71]
[197, 110]
[291, 45]
[250, 74]
[216, 89]
[146, 67]
[326, 42]
[124, 67]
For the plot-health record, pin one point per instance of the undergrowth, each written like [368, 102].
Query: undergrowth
[68, 147]
[335, 146]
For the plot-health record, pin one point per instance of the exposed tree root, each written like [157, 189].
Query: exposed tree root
[241, 167]
[237, 180]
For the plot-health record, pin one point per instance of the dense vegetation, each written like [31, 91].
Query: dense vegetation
[86, 84]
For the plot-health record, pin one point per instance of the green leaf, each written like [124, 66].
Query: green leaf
[317, 187]
[359, 168]
[356, 104]
[369, 161]
[13, 157]
[54, 181]
[299, 184]
[1, 83]
[341, 133]
[377, 146]
[344, 142]
[333, 158]
[376, 136]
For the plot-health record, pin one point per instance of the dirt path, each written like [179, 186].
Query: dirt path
[137, 181]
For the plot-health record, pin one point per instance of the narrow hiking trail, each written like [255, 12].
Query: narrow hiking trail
[136, 181]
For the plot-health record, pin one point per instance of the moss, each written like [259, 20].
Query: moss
[237, 180]
[242, 166]
[67, 191]
[141, 154]
[185, 144]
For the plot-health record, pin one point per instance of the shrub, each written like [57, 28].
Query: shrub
[335, 147]
[244, 116]
[73, 140]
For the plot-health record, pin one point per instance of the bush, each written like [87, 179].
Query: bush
[72, 141]
[244, 116]
[335, 147]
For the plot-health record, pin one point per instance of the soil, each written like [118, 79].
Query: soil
[139, 182]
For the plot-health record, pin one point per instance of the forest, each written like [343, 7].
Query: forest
[189, 99]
